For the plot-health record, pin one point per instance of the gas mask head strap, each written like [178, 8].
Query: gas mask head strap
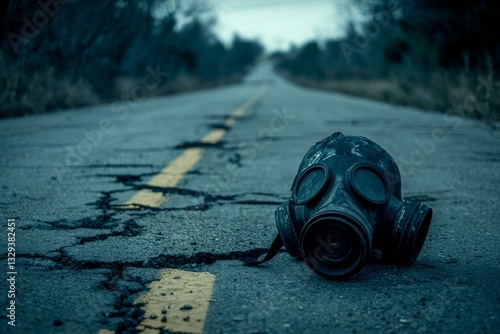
[273, 250]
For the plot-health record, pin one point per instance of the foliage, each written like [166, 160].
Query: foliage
[431, 54]
[94, 46]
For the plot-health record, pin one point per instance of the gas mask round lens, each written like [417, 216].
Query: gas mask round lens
[311, 184]
[369, 183]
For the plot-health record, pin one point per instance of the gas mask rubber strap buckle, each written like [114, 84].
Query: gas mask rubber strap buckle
[273, 250]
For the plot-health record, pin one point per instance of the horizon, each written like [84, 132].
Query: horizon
[281, 24]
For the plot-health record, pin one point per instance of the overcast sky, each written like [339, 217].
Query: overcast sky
[278, 23]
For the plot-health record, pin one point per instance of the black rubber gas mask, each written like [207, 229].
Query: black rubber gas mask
[345, 206]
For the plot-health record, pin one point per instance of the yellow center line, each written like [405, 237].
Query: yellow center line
[214, 136]
[177, 302]
[172, 174]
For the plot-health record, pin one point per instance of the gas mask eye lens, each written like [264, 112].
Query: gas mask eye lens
[369, 183]
[311, 184]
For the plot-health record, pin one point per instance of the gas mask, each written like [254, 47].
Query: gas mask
[345, 207]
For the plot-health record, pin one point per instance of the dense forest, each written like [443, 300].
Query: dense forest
[441, 54]
[58, 54]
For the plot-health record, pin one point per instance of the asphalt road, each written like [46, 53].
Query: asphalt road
[84, 257]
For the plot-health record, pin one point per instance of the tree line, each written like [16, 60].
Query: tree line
[432, 54]
[68, 53]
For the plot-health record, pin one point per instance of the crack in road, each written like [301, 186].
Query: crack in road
[220, 126]
[63, 260]
[129, 313]
[130, 229]
[107, 220]
[208, 199]
[198, 144]
[227, 145]
[181, 146]
[130, 179]
[126, 314]
[235, 159]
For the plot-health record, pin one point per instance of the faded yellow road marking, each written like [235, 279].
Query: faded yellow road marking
[177, 302]
[171, 175]
[243, 108]
[106, 331]
[177, 290]
[214, 136]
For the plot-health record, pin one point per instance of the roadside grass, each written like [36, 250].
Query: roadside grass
[181, 84]
[27, 90]
[455, 93]
[30, 90]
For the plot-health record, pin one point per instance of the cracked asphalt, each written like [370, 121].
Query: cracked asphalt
[83, 257]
